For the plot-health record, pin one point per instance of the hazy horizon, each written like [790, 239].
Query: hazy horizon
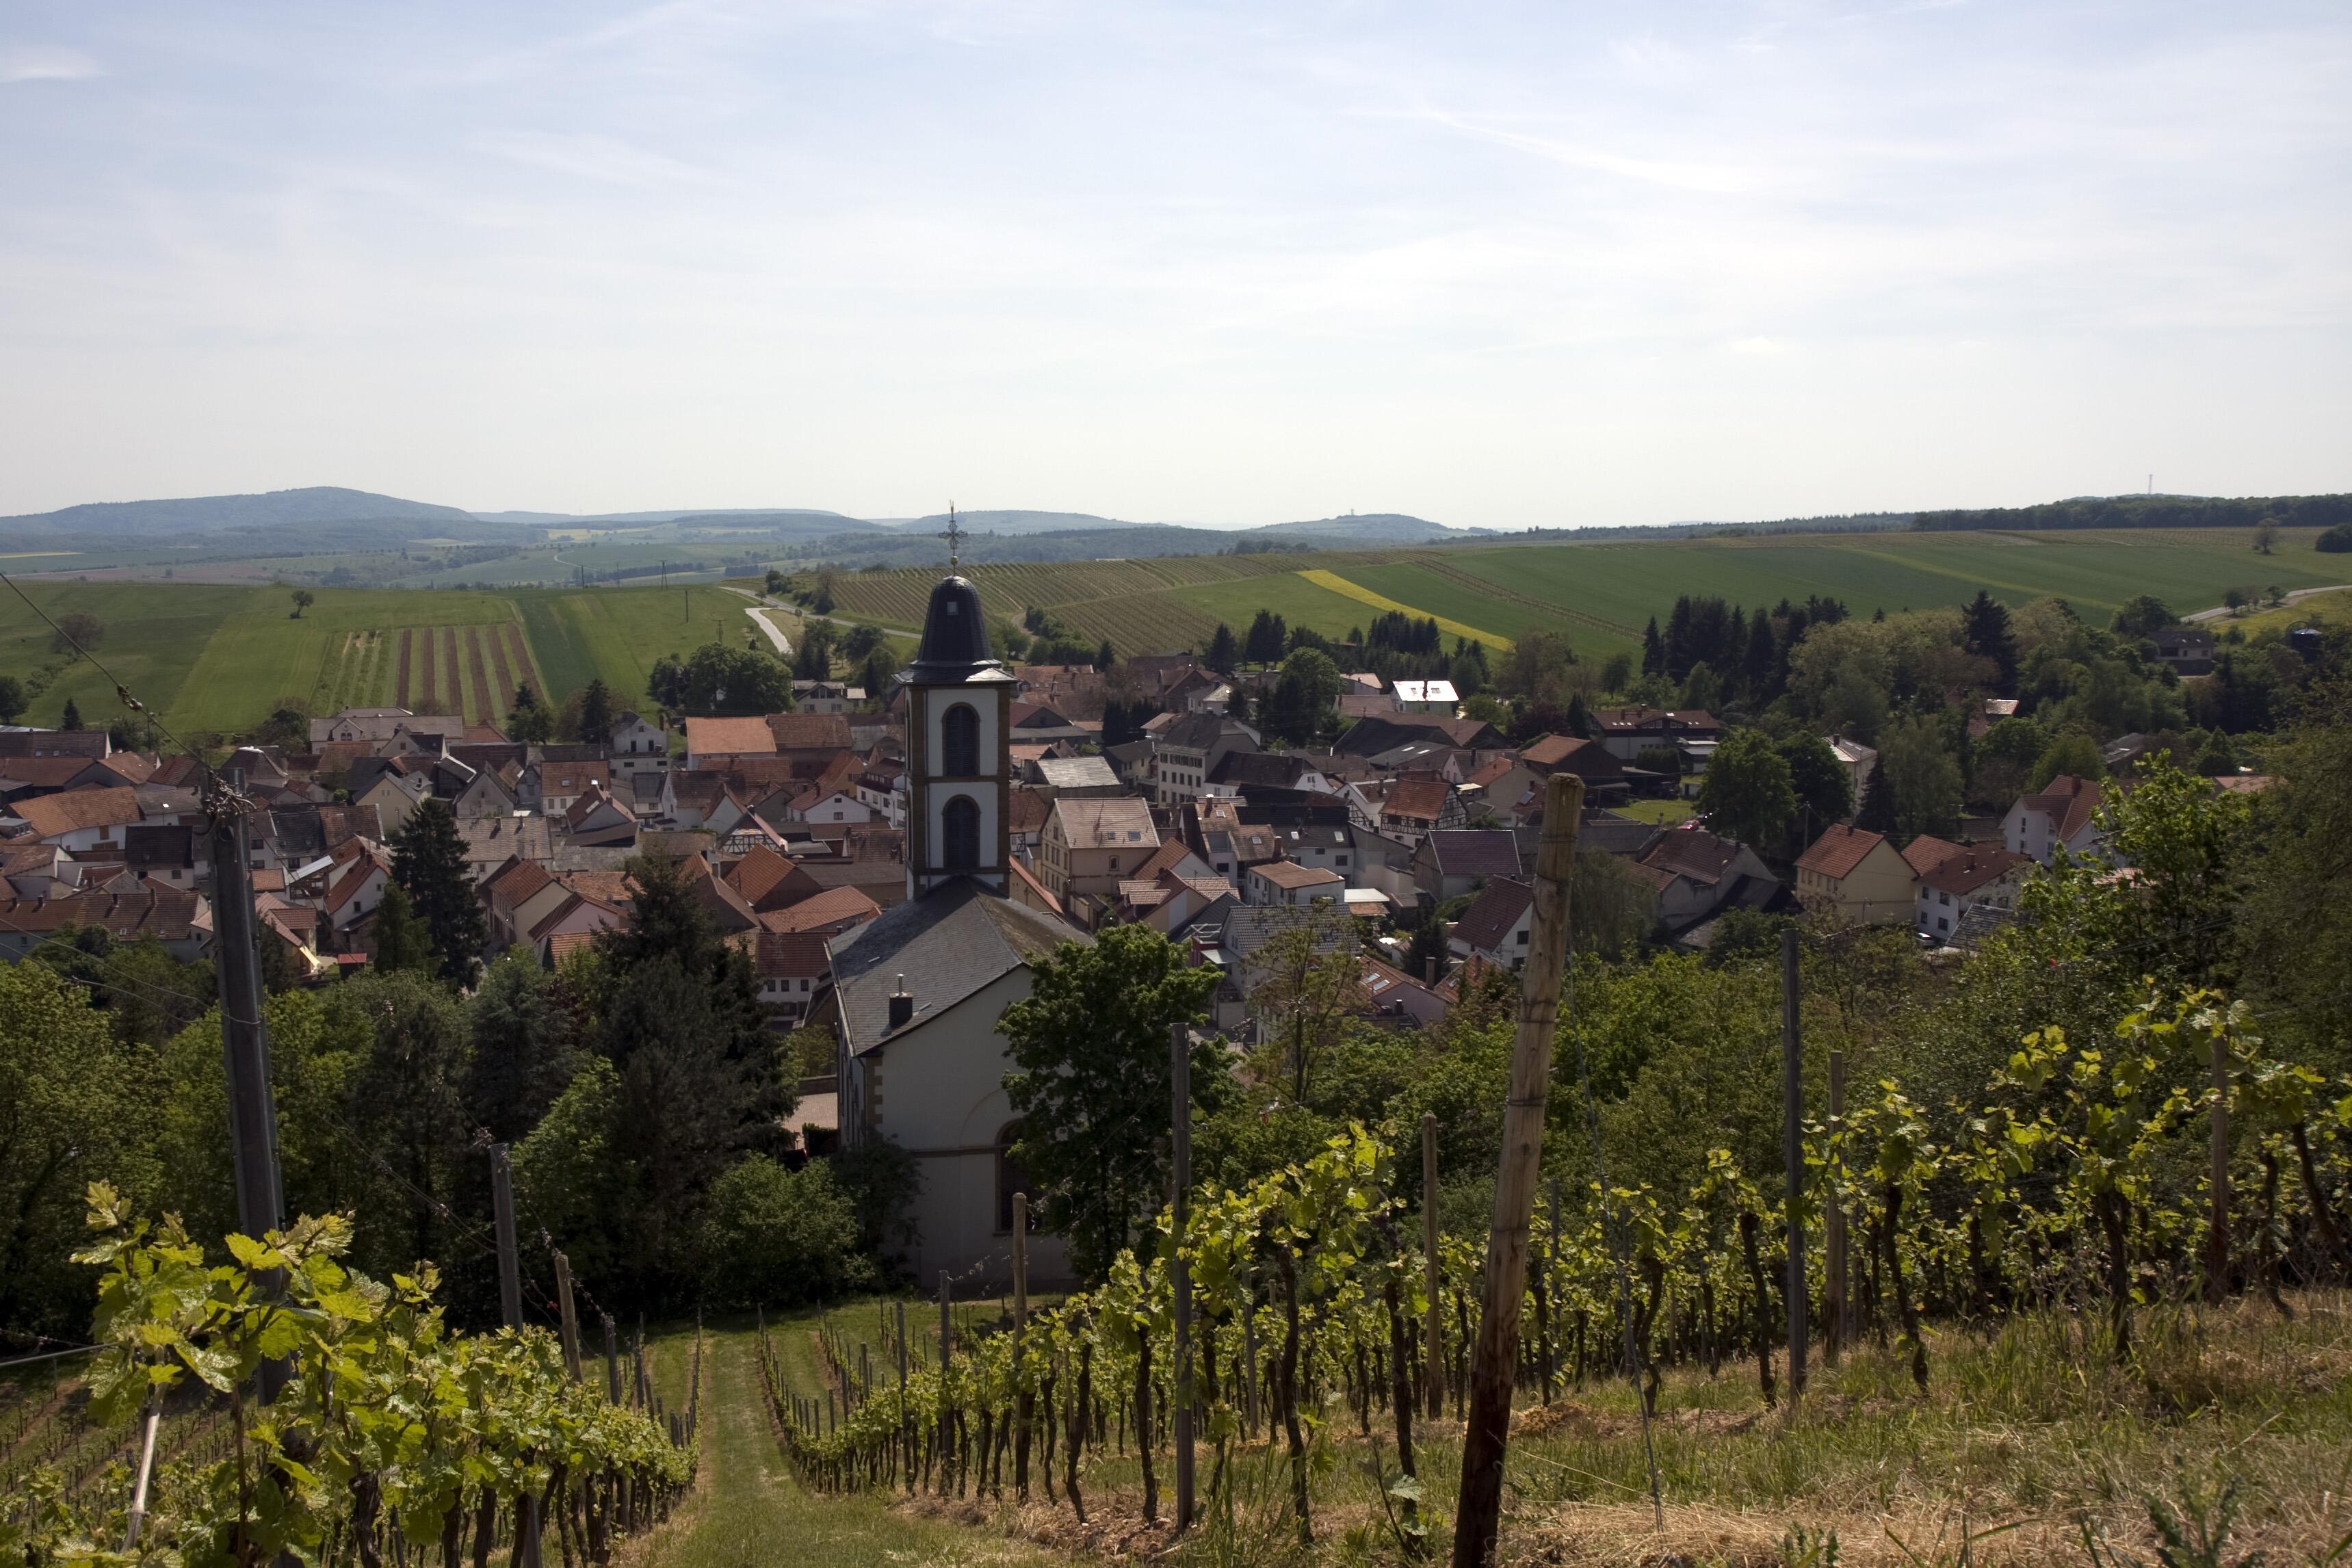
[1511, 267]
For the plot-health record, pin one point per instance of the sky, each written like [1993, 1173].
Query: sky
[1497, 265]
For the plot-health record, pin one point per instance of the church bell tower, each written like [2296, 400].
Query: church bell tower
[959, 763]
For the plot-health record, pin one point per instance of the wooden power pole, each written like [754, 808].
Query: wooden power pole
[1180, 1273]
[1488, 1434]
[1792, 1149]
[1432, 1315]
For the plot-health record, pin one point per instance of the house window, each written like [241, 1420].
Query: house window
[960, 742]
[959, 832]
[1009, 1177]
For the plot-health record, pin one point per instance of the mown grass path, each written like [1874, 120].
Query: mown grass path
[750, 1512]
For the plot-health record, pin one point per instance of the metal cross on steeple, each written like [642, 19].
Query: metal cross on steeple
[954, 536]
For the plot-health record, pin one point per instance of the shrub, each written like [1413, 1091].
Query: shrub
[775, 1235]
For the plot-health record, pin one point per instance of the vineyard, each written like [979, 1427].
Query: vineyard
[389, 1435]
[471, 670]
[2046, 1268]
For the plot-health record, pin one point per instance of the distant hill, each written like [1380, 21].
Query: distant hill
[206, 514]
[1389, 527]
[2150, 511]
[1012, 522]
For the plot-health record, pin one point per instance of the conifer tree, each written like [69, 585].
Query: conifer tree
[428, 861]
[596, 714]
[1653, 650]
[401, 940]
[73, 718]
[1878, 811]
[1223, 650]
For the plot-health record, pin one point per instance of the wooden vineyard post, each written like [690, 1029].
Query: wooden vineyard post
[1487, 1434]
[1179, 1275]
[1024, 1403]
[2217, 1229]
[1792, 1152]
[569, 1322]
[1433, 1330]
[1833, 1240]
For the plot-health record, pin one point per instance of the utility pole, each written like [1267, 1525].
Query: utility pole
[1180, 1272]
[1486, 1435]
[245, 1041]
[1792, 1149]
[1433, 1316]
[510, 1265]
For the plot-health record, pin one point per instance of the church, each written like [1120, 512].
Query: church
[918, 992]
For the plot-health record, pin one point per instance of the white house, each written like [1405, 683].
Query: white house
[1287, 882]
[638, 746]
[1957, 878]
[2065, 813]
[1427, 696]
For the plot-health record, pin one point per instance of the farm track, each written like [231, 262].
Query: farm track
[472, 637]
[453, 689]
[400, 693]
[525, 666]
[506, 684]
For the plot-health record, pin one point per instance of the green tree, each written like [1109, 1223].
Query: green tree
[526, 719]
[1266, 638]
[1747, 793]
[2217, 758]
[428, 861]
[1986, 633]
[775, 584]
[1090, 1082]
[1925, 776]
[523, 1048]
[303, 600]
[1296, 705]
[2071, 753]
[775, 1237]
[76, 1106]
[1225, 650]
[1308, 986]
[2266, 534]
[81, 630]
[880, 669]
[2004, 759]
[406, 1110]
[2293, 942]
[1824, 784]
[71, 718]
[2141, 615]
[571, 1179]
[699, 1070]
[401, 941]
[716, 679]
[596, 713]
[12, 699]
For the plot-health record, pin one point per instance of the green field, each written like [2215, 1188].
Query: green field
[1602, 594]
[216, 659]
[217, 656]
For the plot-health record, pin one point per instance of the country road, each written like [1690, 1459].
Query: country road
[2295, 597]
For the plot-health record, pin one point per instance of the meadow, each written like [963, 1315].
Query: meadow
[215, 658]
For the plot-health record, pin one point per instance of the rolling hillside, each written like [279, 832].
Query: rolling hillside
[217, 656]
[1603, 593]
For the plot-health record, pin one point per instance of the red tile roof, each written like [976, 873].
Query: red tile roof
[1837, 852]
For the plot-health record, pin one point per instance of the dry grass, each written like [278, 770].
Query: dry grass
[2028, 1435]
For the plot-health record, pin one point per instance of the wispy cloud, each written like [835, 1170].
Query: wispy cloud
[34, 62]
[600, 158]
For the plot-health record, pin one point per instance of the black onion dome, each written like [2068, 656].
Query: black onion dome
[955, 632]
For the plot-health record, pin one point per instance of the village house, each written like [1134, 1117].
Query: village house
[1859, 874]
[1495, 927]
[1956, 878]
[2063, 813]
[1087, 845]
[1287, 882]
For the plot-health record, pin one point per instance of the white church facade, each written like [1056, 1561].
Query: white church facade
[917, 993]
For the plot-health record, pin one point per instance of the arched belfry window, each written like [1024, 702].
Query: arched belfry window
[960, 742]
[960, 834]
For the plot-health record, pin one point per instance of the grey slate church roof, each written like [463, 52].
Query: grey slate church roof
[951, 943]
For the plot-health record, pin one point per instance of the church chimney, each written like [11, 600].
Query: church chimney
[902, 1006]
